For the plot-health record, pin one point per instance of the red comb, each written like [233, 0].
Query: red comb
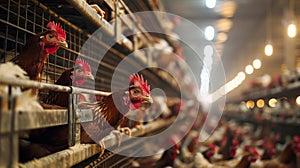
[212, 146]
[296, 139]
[84, 64]
[246, 147]
[58, 28]
[195, 138]
[176, 146]
[253, 151]
[253, 154]
[235, 143]
[137, 80]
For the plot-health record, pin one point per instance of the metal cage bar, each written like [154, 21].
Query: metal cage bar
[21, 19]
[81, 152]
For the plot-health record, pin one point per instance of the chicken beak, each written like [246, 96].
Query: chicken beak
[147, 101]
[63, 44]
[90, 76]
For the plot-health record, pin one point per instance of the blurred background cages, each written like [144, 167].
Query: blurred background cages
[20, 19]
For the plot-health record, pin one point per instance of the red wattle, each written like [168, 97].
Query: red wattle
[80, 82]
[135, 105]
[52, 50]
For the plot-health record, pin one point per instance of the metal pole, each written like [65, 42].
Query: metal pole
[13, 135]
[117, 21]
[34, 84]
[71, 132]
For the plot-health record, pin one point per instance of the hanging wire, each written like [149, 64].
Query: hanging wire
[269, 21]
[291, 8]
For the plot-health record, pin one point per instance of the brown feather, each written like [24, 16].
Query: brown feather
[32, 58]
[60, 98]
[107, 117]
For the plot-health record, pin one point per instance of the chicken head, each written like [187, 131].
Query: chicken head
[139, 93]
[53, 39]
[81, 72]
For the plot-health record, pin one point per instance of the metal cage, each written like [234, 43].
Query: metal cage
[21, 19]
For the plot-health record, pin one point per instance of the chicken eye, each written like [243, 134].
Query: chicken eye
[136, 92]
[51, 37]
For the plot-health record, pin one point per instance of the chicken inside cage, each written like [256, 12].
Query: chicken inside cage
[41, 47]
[96, 83]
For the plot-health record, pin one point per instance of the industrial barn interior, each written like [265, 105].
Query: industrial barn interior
[150, 83]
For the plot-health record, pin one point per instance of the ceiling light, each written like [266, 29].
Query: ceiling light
[269, 49]
[208, 50]
[209, 33]
[256, 63]
[210, 3]
[227, 8]
[219, 46]
[292, 30]
[272, 102]
[241, 76]
[298, 100]
[260, 103]
[221, 37]
[250, 104]
[249, 69]
[223, 25]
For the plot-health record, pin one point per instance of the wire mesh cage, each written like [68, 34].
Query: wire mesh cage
[22, 19]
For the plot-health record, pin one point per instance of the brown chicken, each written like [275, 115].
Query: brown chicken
[107, 117]
[249, 157]
[76, 76]
[43, 138]
[268, 145]
[167, 158]
[286, 159]
[38, 48]
[191, 146]
[208, 153]
[229, 145]
[109, 113]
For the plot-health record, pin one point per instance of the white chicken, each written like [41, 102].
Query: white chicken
[25, 101]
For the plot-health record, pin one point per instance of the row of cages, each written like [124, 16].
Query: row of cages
[108, 47]
[22, 19]
[278, 109]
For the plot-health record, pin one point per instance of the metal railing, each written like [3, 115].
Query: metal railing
[76, 152]
[21, 19]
